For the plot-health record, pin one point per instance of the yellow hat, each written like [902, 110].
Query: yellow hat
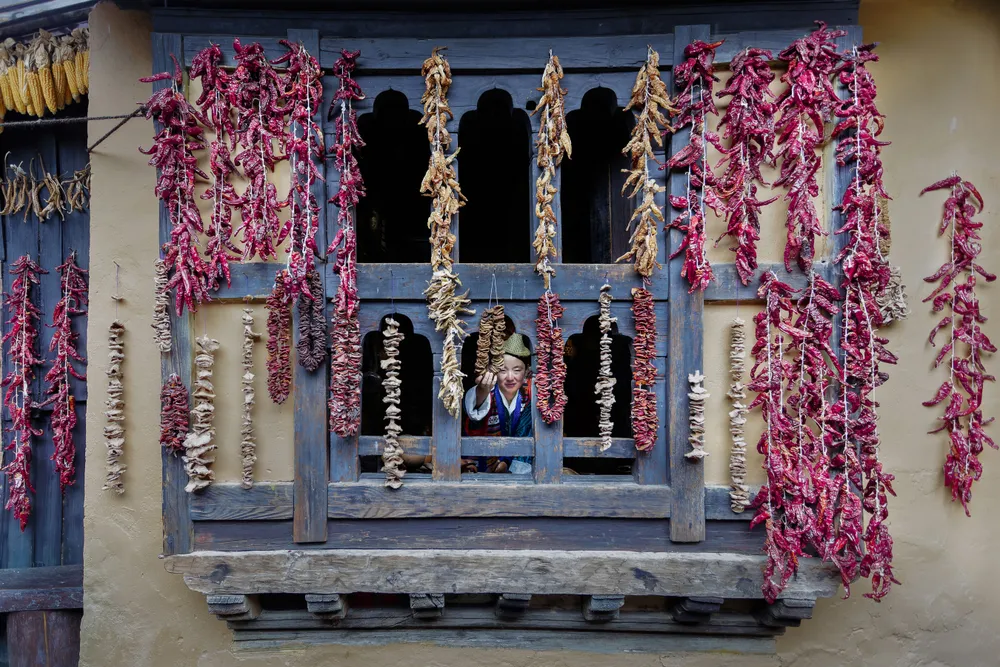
[515, 346]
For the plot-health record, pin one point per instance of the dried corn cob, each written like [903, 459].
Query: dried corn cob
[68, 56]
[81, 43]
[42, 49]
[15, 67]
[32, 81]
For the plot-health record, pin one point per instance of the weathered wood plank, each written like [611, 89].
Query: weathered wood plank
[266, 501]
[446, 445]
[548, 456]
[32, 599]
[328, 607]
[193, 44]
[621, 448]
[727, 286]
[684, 329]
[50, 638]
[234, 607]
[512, 606]
[785, 613]
[652, 467]
[41, 578]
[426, 605]
[718, 508]
[696, 609]
[538, 572]
[602, 608]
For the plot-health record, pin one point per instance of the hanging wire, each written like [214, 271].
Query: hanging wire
[117, 295]
[392, 292]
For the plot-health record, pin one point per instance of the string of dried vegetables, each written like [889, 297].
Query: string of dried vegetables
[279, 325]
[161, 305]
[248, 440]
[174, 414]
[749, 130]
[605, 385]
[551, 145]
[392, 451]
[695, 78]
[345, 360]
[696, 416]
[955, 295]
[739, 494]
[77, 191]
[173, 154]
[499, 337]
[550, 374]
[114, 429]
[22, 341]
[311, 346]
[645, 418]
[62, 418]
[199, 446]
[492, 335]
[649, 96]
[444, 304]
[804, 107]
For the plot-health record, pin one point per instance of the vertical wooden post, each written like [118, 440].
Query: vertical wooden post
[684, 356]
[177, 526]
[50, 638]
[446, 443]
[309, 495]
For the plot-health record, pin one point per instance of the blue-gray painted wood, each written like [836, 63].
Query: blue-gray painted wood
[621, 448]
[651, 467]
[727, 286]
[684, 327]
[446, 445]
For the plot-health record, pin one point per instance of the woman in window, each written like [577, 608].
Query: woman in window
[500, 405]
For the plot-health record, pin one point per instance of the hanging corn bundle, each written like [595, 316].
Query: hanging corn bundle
[392, 452]
[248, 441]
[114, 429]
[605, 386]
[645, 420]
[445, 305]
[739, 494]
[174, 415]
[199, 446]
[550, 376]
[42, 76]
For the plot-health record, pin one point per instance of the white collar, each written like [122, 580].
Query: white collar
[513, 404]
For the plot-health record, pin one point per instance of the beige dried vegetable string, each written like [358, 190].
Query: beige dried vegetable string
[891, 301]
[114, 429]
[161, 305]
[484, 345]
[696, 418]
[552, 142]
[248, 441]
[499, 331]
[444, 304]
[77, 191]
[605, 380]
[739, 494]
[199, 446]
[392, 452]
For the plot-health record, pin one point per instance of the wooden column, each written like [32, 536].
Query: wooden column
[50, 638]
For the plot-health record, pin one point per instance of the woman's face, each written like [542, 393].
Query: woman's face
[511, 375]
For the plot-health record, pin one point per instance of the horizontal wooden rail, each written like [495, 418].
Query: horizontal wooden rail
[41, 588]
[621, 448]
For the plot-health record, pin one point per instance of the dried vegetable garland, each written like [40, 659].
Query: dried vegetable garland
[199, 446]
[444, 304]
[956, 291]
[695, 77]
[161, 305]
[739, 494]
[550, 375]
[345, 358]
[392, 452]
[649, 96]
[62, 419]
[492, 335]
[23, 192]
[605, 385]
[552, 143]
[114, 429]
[749, 131]
[22, 341]
[645, 418]
[696, 417]
[311, 346]
[174, 415]
[279, 343]
[248, 441]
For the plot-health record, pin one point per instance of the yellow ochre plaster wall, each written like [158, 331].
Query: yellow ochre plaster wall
[938, 84]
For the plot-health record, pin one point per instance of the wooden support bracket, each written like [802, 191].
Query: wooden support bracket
[785, 613]
[234, 607]
[602, 608]
[329, 606]
[696, 609]
[427, 605]
[512, 606]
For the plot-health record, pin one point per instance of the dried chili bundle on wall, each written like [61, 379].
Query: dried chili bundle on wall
[279, 343]
[22, 342]
[174, 414]
[392, 452]
[173, 154]
[605, 385]
[311, 346]
[649, 96]
[114, 429]
[161, 305]
[739, 494]
[444, 304]
[248, 440]
[645, 419]
[749, 131]
[550, 146]
[255, 95]
[199, 446]
[62, 419]
[955, 295]
[695, 77]
[804, 107]
[345, 359]
[550, 375]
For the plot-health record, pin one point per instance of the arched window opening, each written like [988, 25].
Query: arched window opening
[494, 170]
[392, 216]
[416, 391]
[594, 210]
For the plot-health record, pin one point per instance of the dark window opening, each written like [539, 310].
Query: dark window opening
[582, 364]
[595, 213]
[495, 172]
[392, 216]
[597, 466]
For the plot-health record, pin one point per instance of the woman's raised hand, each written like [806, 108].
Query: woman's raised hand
[484, 385]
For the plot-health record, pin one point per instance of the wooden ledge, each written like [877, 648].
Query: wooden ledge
[343, 571]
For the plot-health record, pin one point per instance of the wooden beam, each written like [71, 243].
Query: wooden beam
[426, 605]
[727, 286]
[696, 609]
[326, 606]
[512, 606]
[407, 571]
[588, 448]
[602, 608]
[234, 607]
[785, 613]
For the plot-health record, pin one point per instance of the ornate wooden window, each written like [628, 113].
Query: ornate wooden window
[657, 530]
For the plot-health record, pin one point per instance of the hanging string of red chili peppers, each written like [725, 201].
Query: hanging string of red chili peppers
[645, 419]
[22, 342]
[345, 360]
[64, 343]
[695, 78]
[550, 374]
[955, 294]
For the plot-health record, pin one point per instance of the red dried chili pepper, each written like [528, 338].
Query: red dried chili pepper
[279, 343]
[175, 415]
[550, 375]
[645, 419]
